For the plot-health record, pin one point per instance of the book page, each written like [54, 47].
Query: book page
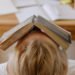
[24, 13]
[59, 11]
[51, 11]
[7, 7]
[67, 12]
[23, 3]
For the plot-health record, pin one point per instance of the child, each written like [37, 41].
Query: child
[37, 54]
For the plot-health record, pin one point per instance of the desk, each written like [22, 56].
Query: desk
[68, 25]
[7, 22]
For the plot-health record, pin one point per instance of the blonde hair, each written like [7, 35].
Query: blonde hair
[39, 58]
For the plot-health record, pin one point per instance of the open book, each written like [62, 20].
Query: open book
[59, 11]
[59, 35]
[53, 8]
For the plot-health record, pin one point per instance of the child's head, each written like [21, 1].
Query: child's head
[36, 54]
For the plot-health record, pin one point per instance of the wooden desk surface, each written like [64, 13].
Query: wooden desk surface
[68, 25]
[7, 22]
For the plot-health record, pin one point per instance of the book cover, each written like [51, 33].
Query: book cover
[53, 31]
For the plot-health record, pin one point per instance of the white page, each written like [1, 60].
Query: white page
[67, 12]
[51, 11]
[59, 11]
[22, 3]
[24, 13]
[7, 7]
